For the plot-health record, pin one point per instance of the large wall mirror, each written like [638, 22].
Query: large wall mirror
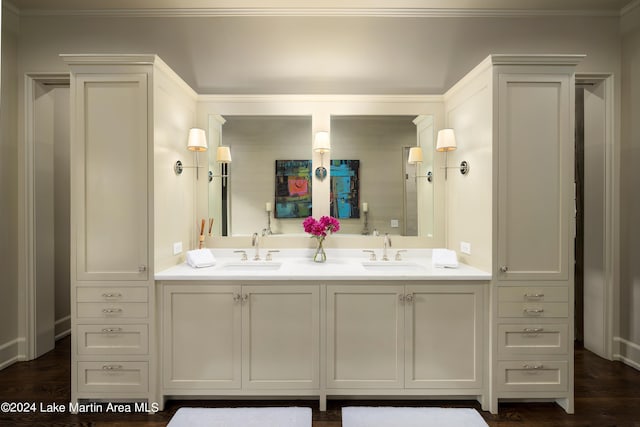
[399, 199]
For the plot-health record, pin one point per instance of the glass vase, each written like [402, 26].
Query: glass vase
[320, 255]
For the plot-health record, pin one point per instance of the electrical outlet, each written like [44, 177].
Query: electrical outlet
[177, 248]
[395, 223]
[465, 248]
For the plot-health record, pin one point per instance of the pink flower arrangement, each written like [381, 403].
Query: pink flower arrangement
[321, 228]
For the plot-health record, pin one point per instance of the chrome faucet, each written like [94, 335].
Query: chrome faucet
[386, 243]
[255, 242]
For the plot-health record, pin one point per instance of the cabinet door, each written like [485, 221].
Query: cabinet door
[201, 331]
[535, 176]
[444, 337]
[109, 155]
[365, 337]
[281, 337]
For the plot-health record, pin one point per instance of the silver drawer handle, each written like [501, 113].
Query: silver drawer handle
[532, 330]
[504, 269]
[111, 330]
[533, 367]
[142, 268]
[110, 295]
[533, 310]
[111, 310]
[534, 295]
[111, 367]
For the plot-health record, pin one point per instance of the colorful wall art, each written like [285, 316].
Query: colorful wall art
[345, 186]
[293, 189]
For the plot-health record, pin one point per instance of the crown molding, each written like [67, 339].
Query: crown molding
[630, 7]
[279, 98]
[320, 12]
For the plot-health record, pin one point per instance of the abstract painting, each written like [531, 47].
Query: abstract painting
[345, 186]
[293, 189]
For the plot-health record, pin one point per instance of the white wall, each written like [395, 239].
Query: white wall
[630, 199]
[468, 215]
[174, 113]
[9, 191]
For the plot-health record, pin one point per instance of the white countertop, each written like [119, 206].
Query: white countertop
[341, 264]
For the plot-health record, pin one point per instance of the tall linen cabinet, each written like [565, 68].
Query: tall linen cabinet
[116, 104]
[514, 120]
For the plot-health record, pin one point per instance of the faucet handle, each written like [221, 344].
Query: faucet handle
[269, 252]
[399, 254]
[244, 254]
[372, 257]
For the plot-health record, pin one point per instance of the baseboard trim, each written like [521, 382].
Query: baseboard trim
[62, 327]
[10, 353]
[629, 352]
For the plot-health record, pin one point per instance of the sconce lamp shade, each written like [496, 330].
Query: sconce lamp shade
[223, 154]
[446, 140]
[321, 143]
[415, 155]
[197, 140]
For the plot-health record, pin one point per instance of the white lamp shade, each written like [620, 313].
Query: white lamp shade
[223, 154]
[446, 140]
[415, 155]
[197, 140]
[321, 143]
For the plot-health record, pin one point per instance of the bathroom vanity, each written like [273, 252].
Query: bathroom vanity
[346, 327]
[146, 327]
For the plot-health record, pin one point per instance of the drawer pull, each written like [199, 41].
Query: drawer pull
[111, 310]
[533, 310]
[142, 268]
[111, 367]
[532, 367]
[534, 295]
[504, 269]
[111, 330]
[110, 295]
[532, 330]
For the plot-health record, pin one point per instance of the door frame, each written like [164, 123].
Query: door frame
[27, 231]
[612, 210]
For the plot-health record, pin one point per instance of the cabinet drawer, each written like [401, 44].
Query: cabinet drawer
[533, 294]
[532, 339]
[532, 375]
[112, 339]
[102, 294]
[120, 377]
[533, 310]
[106, 310]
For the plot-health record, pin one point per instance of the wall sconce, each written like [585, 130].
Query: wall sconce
[321, 144]
[223, 156]
[415, 157]
[197, 142]
[447, 142]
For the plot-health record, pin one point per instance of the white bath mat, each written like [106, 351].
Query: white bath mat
[241, 417]
[363, 416]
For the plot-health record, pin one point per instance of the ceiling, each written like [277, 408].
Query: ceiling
[324, 7]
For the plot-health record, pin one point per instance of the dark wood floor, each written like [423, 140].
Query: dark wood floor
[607, 394]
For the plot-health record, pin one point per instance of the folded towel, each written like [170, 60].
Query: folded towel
[200, 258]
[444, 258]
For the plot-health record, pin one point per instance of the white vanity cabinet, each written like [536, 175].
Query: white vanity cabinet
[235, 339]
[421, 339]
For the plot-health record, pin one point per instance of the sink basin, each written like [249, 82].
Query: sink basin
[252, 266]
[392, 267]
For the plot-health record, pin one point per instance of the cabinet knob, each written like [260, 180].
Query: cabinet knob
[237, 297]
[409, 298]
[504, 269]
[142, 268]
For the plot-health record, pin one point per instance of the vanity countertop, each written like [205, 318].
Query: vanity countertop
[341, 264]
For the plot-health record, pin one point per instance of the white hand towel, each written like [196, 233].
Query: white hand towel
[200, 258]
[444, 258]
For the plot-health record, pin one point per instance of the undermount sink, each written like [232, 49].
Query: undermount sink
[252, 266]
[392, 266]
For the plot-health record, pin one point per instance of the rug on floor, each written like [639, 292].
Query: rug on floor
[241, 417]
[366, 416]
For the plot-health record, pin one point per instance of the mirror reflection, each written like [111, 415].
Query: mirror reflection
[376, 147]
